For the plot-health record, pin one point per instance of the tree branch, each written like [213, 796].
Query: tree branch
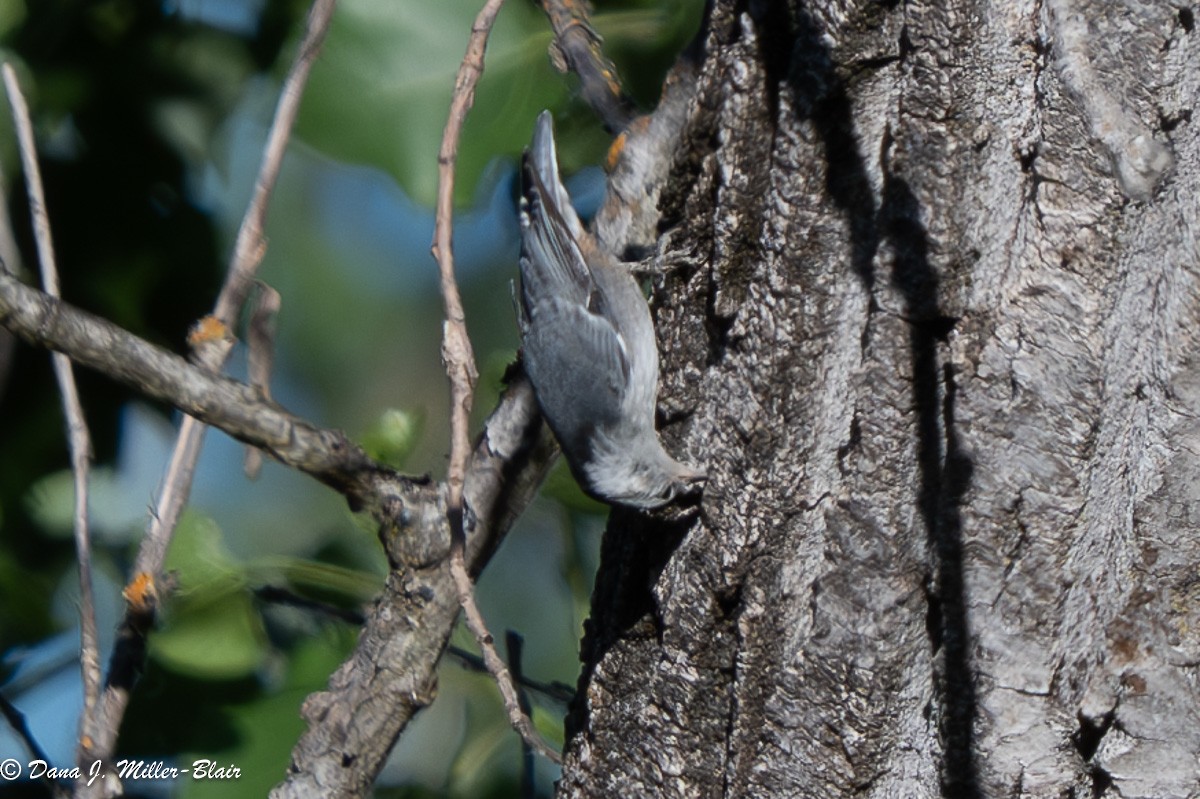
[390, 675]
[460, 369]
[576, 47]
[374, 694]
[211, 345]
[79, 439]
[233, 406]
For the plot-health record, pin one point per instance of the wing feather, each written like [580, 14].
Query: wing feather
[552, 263]
[579, 363]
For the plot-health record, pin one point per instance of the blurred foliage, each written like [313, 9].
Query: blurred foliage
[402, 56]
[209, 604]
[150, 118]
[391, 438]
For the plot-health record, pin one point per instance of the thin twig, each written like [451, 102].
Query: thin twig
[250, 246]
[211, 350]
[77, 429]
[460, 368]
[216, 399]
[10, 261]
[554, 691]
[248, 252]
[375, 693]
[456, 345]
[513, 644]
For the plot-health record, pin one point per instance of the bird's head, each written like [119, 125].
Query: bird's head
[642, 477]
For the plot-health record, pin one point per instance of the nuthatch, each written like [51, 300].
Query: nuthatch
[589, 346]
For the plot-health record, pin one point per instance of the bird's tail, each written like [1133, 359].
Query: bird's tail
[552, 262]
[541, 159]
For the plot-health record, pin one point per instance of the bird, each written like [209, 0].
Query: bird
[588, 346]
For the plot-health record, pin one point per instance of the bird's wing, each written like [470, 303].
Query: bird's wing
[578, 361]
[552, 263]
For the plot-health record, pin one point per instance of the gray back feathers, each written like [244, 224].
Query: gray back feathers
[588, 345]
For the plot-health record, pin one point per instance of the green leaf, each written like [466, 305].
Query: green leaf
[220, 639]
[50, 503]
[211, 628]
[380, 92]
[114, 516]
[549, 726]
[392, 436]
[199, 556]
[12, 14]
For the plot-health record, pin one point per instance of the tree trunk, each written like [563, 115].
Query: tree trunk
[930, 318]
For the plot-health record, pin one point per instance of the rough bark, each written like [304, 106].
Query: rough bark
[930, 318]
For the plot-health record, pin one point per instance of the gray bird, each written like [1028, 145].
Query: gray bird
[589, 346]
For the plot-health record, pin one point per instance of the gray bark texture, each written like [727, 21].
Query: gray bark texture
[929, 315]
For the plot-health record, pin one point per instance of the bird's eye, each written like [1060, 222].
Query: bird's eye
[667, 494]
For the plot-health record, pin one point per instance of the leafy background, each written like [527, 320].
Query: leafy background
[150, 118]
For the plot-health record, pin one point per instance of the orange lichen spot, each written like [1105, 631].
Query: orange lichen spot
[614, 152]
[209, 328]
[611, 83]
[141, 593]
[640, 125]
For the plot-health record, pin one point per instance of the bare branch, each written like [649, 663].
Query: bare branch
[369, 700]
[576, 47]
[260, 346]
[389, 677]
[77, 430]
[460, 368]
[555, 691]
[499, 670]
[210, 351]
[250, 246]
[456, 344]
[233, 406]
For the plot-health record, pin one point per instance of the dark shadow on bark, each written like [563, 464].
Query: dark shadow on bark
[636, 549]
[945, 474]
[633, 553]
[820, 96]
